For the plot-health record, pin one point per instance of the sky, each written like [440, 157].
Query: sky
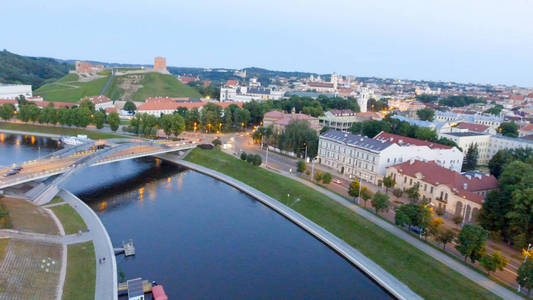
[464, 41]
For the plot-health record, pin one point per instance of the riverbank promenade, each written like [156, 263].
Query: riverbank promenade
[378, 274]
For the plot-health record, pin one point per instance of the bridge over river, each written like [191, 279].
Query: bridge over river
[57, 167]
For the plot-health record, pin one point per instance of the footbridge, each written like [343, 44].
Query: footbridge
[59, 166]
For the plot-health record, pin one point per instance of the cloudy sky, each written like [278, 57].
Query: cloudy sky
[467, 41]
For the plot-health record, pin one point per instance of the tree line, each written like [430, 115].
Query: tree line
[78, 116]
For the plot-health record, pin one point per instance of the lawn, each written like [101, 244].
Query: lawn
[71, 220]
[55, 200]
[68, 89]
[80, 280]
[153, 85]
[423, 274]
[26, 216]
[95, 135]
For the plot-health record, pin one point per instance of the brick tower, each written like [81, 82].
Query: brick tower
[160, 64]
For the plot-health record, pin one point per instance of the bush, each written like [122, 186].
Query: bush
[326, 178]
[397, 193]
[300, 166]
[318, 176]
[206, 146]
[243, 155]
[250, 158]
[257, 160]
[307, 172]
[216, 142]
[457, 220]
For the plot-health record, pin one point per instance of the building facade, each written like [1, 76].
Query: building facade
[361, 157]
[455, 193]
[12, 91]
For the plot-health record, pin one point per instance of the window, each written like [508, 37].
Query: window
[431, 191]
[425, 187]
[405, 179]
[411, 181]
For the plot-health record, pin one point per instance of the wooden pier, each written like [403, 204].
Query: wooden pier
[123, 286]
[127, 248]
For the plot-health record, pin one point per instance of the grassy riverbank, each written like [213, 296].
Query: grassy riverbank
[423, 274]
[58, 130]
[80, 280]
[70, 219]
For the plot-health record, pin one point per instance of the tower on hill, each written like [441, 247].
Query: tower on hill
[160, 64]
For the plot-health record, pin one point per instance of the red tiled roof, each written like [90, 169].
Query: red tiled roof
[274, 114]
[186, 80]
[96, 99]
[232, 82]
[406, 141]
[528, 127]
[434, 174]
[516, 97]
[472, 127]
[320, 84]
[2, 101]
[110, 109]
[342, 112]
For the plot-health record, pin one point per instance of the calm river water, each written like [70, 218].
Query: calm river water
[201, 238]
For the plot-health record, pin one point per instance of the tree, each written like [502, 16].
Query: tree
[353, 189]
[326, 178]
[413, 192]
[166, 124]
[445, 236]
[413, 214]
[297, 137]
[434, 227]
[494, 261]
[114, 120]
[471, 242]
[365, 194]
[7, 111]
[178, 124]
[470, 161]
[99, 119]
[397, 193]
[318, 176]
[388, 182]
[498, 161]
[525, 275]
[257, 160]
[300, 166]
[509, 129]
[380, 202]
[426, 114]
[83, 115]
[130, 107]
[216, 142]
[87, 104]
[243, 155]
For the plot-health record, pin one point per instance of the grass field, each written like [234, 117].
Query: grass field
[423, 274]
[55, 200]
[68, 89]
[71, 220]
[95, 135]
[81, 272]
[151, 85]
[26, 216]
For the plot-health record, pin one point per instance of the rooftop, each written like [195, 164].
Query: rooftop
[460, 134]
[355, 140]
[473, 126]
[407, 141]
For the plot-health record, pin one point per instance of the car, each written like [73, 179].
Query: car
[17, 169]
[11, 173]
[337, 181]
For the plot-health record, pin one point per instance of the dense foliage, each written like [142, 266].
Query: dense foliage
[509, 129]
[426, 114]
[30, 70]
[459, 101]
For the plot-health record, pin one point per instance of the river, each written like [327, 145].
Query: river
[201, 238]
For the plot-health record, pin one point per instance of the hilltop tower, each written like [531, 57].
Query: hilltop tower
[160, 64]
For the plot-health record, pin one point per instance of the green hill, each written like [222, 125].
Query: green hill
[30, 70]
[138, 87]
[69, 89]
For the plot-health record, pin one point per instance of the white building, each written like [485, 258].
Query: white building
[365, 158]
[247, 94]
[487, 144]
[339, 119]
[12, 91]
[489, 120]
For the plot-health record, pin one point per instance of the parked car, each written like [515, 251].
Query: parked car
[337, 181]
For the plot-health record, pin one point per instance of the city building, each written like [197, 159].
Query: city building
[487, 144]
[160, 64]
[247, 94]
[13, 91]
[457, 194]
[100, 102]
[158, 106]
[489, 120]
[279, 120]
[472, 127]
[339, 119]
[526, 130]
[85, 67]
[357, 156]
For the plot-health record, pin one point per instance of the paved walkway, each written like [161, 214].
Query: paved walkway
[436, 254]
[106, 275]
[382, 277]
